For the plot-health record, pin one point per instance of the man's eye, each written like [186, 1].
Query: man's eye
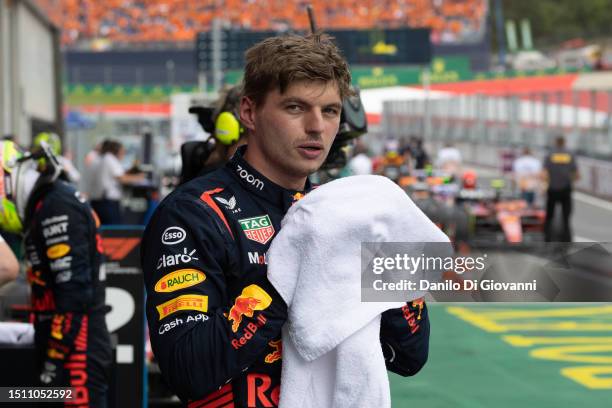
[294, 108]
[332, 111]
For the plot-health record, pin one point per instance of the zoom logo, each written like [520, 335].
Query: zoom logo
[255, 182]
[173, 235]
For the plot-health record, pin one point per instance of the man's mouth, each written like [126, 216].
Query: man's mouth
[311, 146]
[310, 150]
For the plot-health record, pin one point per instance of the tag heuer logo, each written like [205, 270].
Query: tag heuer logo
[258, 229]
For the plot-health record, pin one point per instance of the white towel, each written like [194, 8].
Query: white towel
[331, 350]
[16, 333]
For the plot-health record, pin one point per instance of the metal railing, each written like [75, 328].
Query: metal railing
[486, 127]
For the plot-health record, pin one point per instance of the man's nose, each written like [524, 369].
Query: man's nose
[314, 122]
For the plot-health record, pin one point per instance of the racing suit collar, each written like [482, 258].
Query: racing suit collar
[258, 184]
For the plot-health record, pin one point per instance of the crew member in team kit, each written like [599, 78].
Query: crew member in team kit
[67, 291]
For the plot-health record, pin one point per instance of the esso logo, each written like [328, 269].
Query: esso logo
[173, 235]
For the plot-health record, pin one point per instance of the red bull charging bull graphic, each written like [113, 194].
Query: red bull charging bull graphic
[251, 299]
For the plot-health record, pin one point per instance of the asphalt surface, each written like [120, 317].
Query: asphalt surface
[592, 219]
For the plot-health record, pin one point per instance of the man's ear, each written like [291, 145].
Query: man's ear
[247, 113]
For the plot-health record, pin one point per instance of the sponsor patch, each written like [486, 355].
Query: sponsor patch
[258, 229]
[33, 278]
[63, 277]
[249, 178]
[173, 235]
[61, 263]
[277, 353]
[55, 229]
[179, 321]
[58, 251]
[54, 220]
[183, 278]
[229, 204]
[32, 255]
[252, 298]
[56, 240]
[184, 302]
[249, 331]
[255, 258]
[177, 259]
[54, 354]
[56, 327]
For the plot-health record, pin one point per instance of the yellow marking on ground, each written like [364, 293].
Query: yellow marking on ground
[526, 341]
[562, 326]
[589, 376]
[564, 312]
[477, 319]
[574, 349]
[493, 322]
[573, 353]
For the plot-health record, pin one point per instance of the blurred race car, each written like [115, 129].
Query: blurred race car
[469, 213]
[498, 215]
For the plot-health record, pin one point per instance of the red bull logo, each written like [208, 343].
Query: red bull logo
[56, 327]
[277, 354]
[249, 331]
[251, 299]
[261, 392]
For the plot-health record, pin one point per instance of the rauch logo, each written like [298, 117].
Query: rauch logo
[180, 279]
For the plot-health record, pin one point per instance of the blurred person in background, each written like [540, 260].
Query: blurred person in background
[9, 267]
[360, 163]
[561, 172]
[67, 290]
[393, 163]
[69, 172]
[90, 164]
[108, 176]
[449, 159]
[420, 158]
[527, 172]
[227, 134]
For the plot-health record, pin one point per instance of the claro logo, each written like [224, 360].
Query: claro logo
[255, 182]
[173, 235]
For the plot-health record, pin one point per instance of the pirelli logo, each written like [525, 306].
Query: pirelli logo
[183, 302]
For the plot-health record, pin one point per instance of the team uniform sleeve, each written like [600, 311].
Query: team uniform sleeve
[67, 246]
[404, 337]
[201, 337]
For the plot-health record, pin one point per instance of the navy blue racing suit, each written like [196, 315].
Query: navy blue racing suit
[214, 318]
[64, 254]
